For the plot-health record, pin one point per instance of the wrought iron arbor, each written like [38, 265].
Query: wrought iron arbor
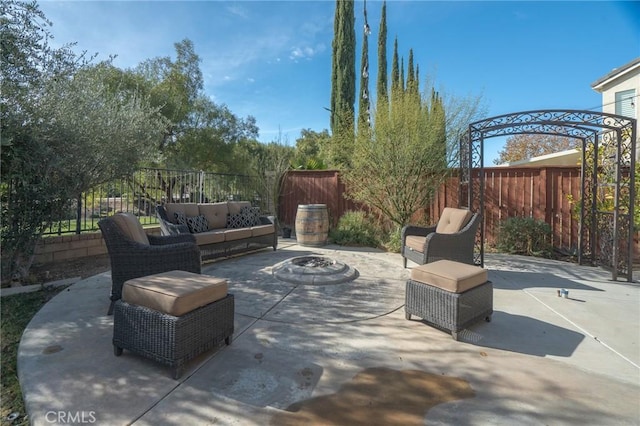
[608, 177]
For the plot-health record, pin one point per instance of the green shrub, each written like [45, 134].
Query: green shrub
[525, 235]
[355, 228]
[394, 240]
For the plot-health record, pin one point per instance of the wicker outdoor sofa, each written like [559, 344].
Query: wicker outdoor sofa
[220, 229]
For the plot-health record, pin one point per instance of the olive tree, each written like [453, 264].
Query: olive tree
[64, 130]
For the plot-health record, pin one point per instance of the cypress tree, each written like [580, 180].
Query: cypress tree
[410, 74]
[395, 72]
[401, 81]
[343, 77]
[382, 94]
[363, 101]
[334, 66]
[437, 124]
[412, 89]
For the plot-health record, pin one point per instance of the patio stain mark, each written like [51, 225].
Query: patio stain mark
[52, 349]
[378, 396]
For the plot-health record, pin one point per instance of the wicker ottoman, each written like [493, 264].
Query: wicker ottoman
[173, 317]
[449, 295]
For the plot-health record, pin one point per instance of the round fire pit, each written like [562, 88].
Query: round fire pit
[314, 270]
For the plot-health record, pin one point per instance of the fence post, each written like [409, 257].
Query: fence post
[546, 205]
[79, 215]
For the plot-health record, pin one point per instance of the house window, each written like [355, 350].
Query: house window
[626, 103]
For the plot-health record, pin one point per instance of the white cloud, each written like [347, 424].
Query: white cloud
[306, 52]
[237, 10]
[129, 38]
[237, 56]
[266, 35]
[234, 40]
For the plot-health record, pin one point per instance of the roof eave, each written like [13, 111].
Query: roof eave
[600, 83]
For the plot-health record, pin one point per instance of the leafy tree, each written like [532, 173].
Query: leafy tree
[64, 130]
[27, 61]
[269, 163]
[525, 146]
[207, 142]
[396, 171]
[199, 134]
[174, 87]
[310, 152]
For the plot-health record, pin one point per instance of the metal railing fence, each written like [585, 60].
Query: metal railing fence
[140, 193]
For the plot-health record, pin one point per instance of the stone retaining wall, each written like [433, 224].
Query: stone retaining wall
[67, 247]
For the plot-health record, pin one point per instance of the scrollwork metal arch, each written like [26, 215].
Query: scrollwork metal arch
[597, 131]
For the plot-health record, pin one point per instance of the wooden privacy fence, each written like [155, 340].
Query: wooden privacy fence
[313, 187]
[541, 193]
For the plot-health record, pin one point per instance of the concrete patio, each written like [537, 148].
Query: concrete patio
[301, 352]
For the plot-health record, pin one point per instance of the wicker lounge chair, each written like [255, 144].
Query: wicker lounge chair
[452, 239]
[135, 254]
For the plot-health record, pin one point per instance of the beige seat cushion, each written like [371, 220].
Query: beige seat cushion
[131, 227]
[189, 210]
[451, 276]
[415, 242]
[209, 237]
[236, 206]
[237, 234]
[453, 220]
[259, 230]
[175, 292]
[216, 214]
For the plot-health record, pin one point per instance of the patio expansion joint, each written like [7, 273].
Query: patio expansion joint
[582, 330]
[351, 321]
[186, 377]
[263, 317]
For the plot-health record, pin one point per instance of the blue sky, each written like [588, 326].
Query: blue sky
[272, 59]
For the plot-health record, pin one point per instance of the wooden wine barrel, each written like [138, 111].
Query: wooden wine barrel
[312, 224]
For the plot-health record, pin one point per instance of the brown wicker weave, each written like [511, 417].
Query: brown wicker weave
[447, 310]
[458, 247]
[172, 340]
[130, 259]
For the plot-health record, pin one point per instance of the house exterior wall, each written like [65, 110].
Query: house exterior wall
[627, 78]
[630, 80]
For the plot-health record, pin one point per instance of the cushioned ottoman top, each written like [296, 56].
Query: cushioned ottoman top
[448, 275]
[175, 292]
